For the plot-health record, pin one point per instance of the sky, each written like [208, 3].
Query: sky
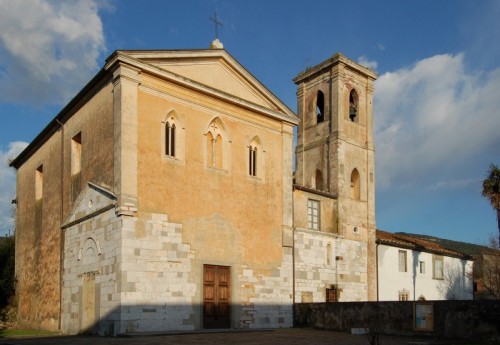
[436, 101]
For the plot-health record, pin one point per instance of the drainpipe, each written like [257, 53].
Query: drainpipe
[330, 94]
[293, 259]
[376, 267]
[61, 239]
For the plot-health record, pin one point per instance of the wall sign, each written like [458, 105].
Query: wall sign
[423, 316]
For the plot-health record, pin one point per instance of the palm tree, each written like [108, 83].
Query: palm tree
[491, 191]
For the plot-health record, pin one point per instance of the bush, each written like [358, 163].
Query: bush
[7, 279]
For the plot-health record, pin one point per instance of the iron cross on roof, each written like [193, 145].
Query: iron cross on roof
[216, 23]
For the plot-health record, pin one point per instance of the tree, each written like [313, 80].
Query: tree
[7, 280]
[491, 191]
[490, 269]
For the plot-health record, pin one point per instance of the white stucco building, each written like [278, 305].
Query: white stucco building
[414, 269]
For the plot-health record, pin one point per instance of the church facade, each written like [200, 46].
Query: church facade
[162, 198]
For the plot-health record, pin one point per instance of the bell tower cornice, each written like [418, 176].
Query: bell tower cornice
[335, 60]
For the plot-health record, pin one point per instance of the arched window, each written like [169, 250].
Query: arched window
[318, 180]
[173, 135]
[355, 184]
[170, 139]
[353, 106]
[255, 158]
[218, 152]
[217, 145]
[404, 295]
[320, 107]
[252, 160]
[214, 151]
[210, 149]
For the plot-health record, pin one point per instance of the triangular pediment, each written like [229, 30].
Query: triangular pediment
[218, 74]
[92, 201]
[217, 70]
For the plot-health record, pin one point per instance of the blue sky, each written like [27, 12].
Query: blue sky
[437, 99]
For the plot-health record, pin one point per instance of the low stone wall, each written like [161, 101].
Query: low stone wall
[451, 319]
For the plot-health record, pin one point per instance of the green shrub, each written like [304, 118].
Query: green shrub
[7, 274]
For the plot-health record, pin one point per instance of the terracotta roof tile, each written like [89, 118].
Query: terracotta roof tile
[403, 241]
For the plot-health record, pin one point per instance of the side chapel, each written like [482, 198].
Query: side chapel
[162, 197]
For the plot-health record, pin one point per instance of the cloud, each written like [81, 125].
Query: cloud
[434, 122]
[454, 184]
[8, 184]
[363, 60]
[48, 49]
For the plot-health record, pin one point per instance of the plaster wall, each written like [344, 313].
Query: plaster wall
[235, 218]
[328, 211]
[38, 246]
[456, 283]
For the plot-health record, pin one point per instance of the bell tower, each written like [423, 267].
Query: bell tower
[335, 152]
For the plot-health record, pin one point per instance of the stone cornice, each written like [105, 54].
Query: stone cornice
[315, 191]
[118, 58]
[337, 59]
[287, 115]
[88, 91]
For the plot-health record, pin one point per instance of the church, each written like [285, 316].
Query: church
[163, 197]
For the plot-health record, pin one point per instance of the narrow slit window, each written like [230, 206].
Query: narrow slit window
[218, 152]
[76, 154]
[210, 150]
[353, 106]
[320, 107]
[76, 165]
[355, 185]
[318, 180]
[38, 199]
[39, 183]
[214, 151]
[252, 161]
[328, 254]
[170, 139]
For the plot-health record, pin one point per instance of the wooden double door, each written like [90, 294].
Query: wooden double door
[216, 296]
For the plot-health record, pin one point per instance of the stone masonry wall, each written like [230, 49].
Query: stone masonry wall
[91, 247]
[266, 297]
[317, 269]
[157, 290]
[161, 289]
[352, 280]
[314, 267]
[145, 280]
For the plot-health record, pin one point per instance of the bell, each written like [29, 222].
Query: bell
[352, 112]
